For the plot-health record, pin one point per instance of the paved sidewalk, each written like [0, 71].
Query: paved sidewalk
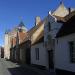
[10, 68]
[39, 71]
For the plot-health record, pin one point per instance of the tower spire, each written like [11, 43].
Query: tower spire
[21, 18]
[21, 22]
[61, 2]
[21, 25]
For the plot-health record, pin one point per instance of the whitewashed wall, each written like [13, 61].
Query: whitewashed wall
[62, 53]
[7, 47]
[42, 55]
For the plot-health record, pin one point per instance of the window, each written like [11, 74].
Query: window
[37, 53]
[49, 26]
[72, 51]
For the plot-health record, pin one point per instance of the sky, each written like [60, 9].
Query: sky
[11, 12]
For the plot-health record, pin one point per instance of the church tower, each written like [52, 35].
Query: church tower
[7, 45]
[21, 27]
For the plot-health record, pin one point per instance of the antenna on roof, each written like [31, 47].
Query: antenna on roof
[21, 22]
[21, 18]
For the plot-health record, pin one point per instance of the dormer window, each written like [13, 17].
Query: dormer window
[49, 26]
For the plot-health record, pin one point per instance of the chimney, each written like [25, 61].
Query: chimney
[37, 20]
[61, 2]
[69, 9]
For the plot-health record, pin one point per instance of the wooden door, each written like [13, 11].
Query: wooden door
[50, 59]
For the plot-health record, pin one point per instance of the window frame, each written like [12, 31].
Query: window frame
[49, 26]
[37, 53]
[72, 50]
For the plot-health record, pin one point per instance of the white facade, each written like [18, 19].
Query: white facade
[7, 46]
[42, 51]
[42, 55]
[62, 53]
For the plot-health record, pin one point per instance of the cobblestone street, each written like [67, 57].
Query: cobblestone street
[10, 68]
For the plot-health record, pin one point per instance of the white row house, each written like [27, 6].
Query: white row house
[53, 24]
[42, 53]
[38, 51]
[65, 48]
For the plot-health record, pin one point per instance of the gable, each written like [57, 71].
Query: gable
[61, 11]
[67, 28]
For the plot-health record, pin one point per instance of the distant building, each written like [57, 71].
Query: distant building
[12, 40]
[1, 52]
[7, 45]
